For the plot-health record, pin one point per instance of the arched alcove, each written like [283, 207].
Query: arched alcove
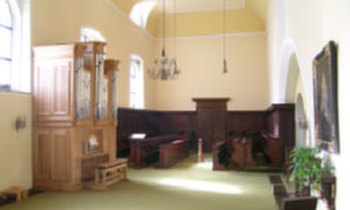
[292, 79]
[300, 123]
[294, 93]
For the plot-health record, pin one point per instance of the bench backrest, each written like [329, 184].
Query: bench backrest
[299, 203]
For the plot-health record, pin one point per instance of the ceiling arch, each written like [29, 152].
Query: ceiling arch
[203, 17]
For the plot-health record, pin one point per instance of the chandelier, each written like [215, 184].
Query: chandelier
[162, 67]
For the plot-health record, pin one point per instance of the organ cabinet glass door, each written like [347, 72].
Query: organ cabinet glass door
[111, 73]
[83, 88]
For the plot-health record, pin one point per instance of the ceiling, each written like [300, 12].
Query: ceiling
[189, 6]
[196, 16]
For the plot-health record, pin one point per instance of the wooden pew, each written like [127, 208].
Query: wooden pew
[299, 203]
[145, 151]
[171, 153]
[287, 201]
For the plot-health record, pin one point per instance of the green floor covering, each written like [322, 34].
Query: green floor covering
[187, 185]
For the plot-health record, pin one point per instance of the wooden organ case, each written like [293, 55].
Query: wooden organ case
[75, 107]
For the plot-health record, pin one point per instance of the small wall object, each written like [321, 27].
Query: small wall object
[20, 122]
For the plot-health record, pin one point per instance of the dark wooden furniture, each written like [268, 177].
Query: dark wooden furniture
[73, 95]
[276, 124]
[211, 120]
[299, 203]
[152, 123]
[173, 152]
[146, 151]
[218, 151]
[280, 125]
[329, 190]
[286, 201]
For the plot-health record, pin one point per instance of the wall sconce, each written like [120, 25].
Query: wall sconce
[20, 122]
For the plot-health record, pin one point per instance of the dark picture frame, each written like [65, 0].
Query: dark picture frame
[325, 98]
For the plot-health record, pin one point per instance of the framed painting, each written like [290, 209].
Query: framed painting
[325, 98]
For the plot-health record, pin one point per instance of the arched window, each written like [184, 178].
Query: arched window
[136, 82]
[88, 34]
[15, 59]
[140, 12]
[6, 44]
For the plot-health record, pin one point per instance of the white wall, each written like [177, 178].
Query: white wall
[60, 22]
[15, 147]
[200, 60]
[304, 28]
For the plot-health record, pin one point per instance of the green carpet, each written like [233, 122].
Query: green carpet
[187, 185]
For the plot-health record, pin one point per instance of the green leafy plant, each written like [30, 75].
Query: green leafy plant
[308, 167]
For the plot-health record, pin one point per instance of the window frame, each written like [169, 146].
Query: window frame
[20, 80]
[10, 57]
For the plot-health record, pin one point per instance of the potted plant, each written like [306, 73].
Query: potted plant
[308, 168]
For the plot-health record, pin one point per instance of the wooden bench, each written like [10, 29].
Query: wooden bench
[287, 201]
[173, 152]
[109, 173]
[299, 203]
[19, 192]
[146, 151]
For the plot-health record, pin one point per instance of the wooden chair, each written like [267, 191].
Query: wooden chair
[299, 203]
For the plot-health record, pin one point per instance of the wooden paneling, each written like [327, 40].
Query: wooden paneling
[174, 122]
[276, 124]
[42, 163]
[62, 90]
[61, 154]
[280, 124]
[51, 83]
[211, 121]
[52, 159]
[245, 121]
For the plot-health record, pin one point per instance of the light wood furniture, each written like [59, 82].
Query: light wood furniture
[109, 173]
[19, 192]
[74, 102]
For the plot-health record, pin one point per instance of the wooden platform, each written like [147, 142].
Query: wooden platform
[109, 173]
[20, 193]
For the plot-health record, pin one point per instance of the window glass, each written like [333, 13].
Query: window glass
[89, 34]
[140, 12]
[5, 72]
[6, 35]
[136, 82]
[5, 43]
[6, 17]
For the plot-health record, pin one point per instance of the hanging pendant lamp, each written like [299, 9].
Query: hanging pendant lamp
[164, 68]
[224, 69]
